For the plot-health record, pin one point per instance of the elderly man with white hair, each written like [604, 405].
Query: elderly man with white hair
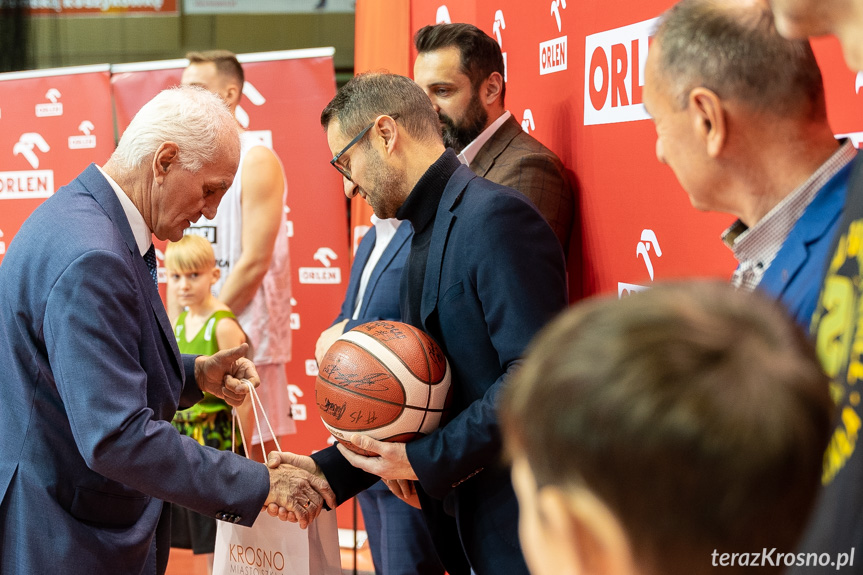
[91, 371]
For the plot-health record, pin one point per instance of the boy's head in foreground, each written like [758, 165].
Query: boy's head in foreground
[647, 432]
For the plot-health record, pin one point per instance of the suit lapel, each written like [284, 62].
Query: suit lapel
[485, 158]
[444, 220]
[401, 236]
[812, 225]
[101, 190]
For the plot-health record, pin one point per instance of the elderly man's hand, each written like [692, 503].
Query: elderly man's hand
[222, 372]
[298, 489]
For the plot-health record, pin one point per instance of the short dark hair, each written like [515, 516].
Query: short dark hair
[226, 63]
[736, 52]
[480, 53]
[697, 412]
[369, 95]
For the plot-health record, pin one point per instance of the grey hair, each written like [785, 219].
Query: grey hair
[192, 117]
[369, 95]
[735, 51]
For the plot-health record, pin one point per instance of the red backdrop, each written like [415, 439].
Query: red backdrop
[56, 122]
[53, 123]
[574, 72]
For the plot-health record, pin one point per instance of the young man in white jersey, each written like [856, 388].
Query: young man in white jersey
[251, 246]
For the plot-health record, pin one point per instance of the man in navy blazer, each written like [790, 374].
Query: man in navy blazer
[485, 273]
[397, 534]
[748, 135]
[91, 371]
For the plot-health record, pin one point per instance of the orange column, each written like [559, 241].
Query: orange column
[382, 42]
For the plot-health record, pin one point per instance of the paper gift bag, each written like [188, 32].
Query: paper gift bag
[272, 546]
[275, 547]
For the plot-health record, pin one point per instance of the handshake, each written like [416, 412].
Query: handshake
[298, 488]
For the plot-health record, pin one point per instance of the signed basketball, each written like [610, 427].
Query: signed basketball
[384, 379]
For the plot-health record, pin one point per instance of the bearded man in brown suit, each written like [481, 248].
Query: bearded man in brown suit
[461, 69]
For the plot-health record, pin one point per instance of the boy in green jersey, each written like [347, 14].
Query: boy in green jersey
[205, 326]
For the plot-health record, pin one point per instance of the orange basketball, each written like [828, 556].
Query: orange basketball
[385, 379]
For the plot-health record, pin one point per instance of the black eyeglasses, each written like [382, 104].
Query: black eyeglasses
[353, 142]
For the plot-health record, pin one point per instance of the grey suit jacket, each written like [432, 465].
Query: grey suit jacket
[91, 377]
[517, 160]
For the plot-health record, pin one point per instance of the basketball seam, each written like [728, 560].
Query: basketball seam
[428, 368]
[397, 356]
[388, 402]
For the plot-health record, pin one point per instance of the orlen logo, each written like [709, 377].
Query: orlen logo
[527, 121]
[324, 275]
[642, 250]
[86, 141]
[614, 74]
[255, 97]
[498, 25]
[25, 144]
[298, 410]
[28, 184]
[553, 53]
[55, 108]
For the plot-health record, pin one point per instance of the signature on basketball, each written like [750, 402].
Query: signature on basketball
[360, 417]
[383, 330]
[334, 409]
[367, 382]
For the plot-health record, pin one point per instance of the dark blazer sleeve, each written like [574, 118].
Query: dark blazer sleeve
[345, 479]
[192, 394]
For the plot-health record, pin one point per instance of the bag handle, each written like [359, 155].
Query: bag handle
[255, 398]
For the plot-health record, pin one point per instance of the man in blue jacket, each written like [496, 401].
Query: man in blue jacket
[741, 120]
[91, 371]
[398, 537]
[485, 273]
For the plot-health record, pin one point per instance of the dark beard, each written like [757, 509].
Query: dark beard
[458, 137]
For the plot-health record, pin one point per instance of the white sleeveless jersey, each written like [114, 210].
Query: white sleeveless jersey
[267, 318]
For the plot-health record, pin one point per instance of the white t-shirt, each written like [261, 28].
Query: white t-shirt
[267, 318]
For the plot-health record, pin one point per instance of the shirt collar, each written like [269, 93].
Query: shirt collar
[759, 244]
[143, 235]
[386, 226]
[471, 150]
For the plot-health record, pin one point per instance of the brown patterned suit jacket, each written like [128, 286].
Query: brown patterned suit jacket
[516, 159]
